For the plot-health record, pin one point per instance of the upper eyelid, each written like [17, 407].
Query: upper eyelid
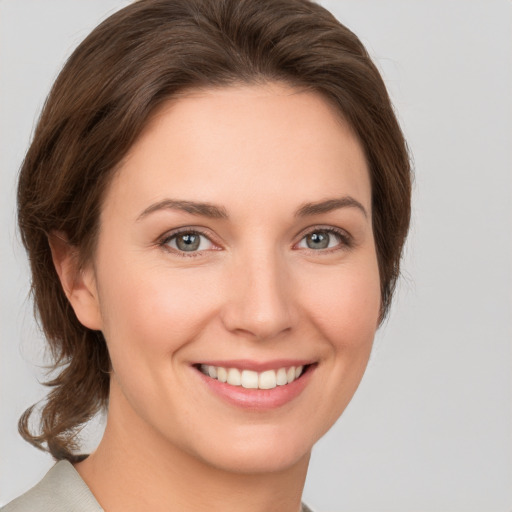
[345, 239]
[164, 241]
[213, 239]
[323, 227]
[186, 229]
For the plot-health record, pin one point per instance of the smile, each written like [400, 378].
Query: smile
[250, 379]
[256, 386]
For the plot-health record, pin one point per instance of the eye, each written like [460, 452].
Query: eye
[188, 241]
[321, 239]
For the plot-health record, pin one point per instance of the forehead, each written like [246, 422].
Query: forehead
[267, 143]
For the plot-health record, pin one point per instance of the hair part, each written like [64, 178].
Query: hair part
[133, 62]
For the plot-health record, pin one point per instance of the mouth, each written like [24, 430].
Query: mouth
[258, 387]
[250, 379]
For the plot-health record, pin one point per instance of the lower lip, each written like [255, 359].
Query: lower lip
[258, 399]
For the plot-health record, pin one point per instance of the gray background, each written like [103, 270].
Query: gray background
[430, 426]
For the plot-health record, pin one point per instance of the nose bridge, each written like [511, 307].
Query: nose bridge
[260, 300]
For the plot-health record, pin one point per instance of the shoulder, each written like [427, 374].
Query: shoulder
[61, 490]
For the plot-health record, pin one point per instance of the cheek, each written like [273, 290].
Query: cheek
[153, 311]
[345, 306]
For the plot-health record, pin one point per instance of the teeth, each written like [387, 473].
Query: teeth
[234, 377]
[249, 379]
[281, 378]
[222, 374]
[267, 380]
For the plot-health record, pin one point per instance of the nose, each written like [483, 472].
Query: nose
[260, 302]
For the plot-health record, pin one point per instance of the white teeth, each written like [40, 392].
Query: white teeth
[234, 377]
[249, 379]
[281, 378]
[267, 380]
[222, 374]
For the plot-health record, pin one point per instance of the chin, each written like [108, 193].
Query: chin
[262, 462]
[261, 452]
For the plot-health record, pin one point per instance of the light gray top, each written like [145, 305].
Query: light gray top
[61, 490]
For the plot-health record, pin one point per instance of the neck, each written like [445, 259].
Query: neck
[137, 469]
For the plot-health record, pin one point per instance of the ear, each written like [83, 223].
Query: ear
[79, 285]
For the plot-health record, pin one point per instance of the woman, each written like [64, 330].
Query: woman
[214, 207]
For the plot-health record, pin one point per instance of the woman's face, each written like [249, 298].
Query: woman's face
[236, 243]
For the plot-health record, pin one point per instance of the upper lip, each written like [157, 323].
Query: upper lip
[257, 366]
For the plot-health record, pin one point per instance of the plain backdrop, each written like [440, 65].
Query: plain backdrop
[430, 428]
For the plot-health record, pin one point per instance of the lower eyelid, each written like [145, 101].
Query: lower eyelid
[344, 240]
[167, 239]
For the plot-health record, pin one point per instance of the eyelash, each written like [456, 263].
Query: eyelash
[163, 243]
[345, 240]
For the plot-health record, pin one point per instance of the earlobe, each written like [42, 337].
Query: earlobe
[79, 284]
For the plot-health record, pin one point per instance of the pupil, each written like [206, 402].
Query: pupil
[188, 242]
[318, 240]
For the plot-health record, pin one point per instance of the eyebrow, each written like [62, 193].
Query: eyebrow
[329, 205]
[218, 212]
[192, 207]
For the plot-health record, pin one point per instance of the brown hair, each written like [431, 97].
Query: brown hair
[130, 64]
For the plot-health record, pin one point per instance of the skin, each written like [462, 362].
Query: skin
[254, 290]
